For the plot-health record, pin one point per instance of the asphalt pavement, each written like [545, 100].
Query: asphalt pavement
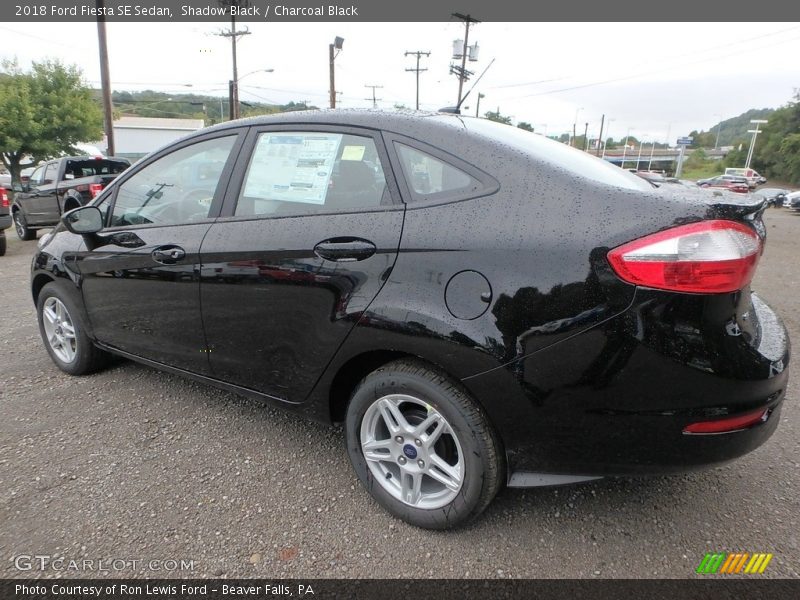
[132, 472]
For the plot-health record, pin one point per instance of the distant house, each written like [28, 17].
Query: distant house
[134, 137]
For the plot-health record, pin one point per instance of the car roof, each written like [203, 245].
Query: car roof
[407, 122]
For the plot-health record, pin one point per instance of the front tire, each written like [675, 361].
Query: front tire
[64, 333]
[24, 232]
[422, 447]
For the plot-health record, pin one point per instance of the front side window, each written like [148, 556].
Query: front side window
[176, 188]
[427, 175]
[50, 173]
[36, 176]
[297, 173]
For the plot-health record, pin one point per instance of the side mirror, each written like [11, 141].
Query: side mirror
[84, 220]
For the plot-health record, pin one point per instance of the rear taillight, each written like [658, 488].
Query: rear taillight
[95, 189]
[3, 198]
[708, 257]
[728, 424]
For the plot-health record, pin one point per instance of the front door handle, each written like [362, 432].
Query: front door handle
[168, 255]
[345, 249]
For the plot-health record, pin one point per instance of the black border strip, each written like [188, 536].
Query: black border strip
[17, 11]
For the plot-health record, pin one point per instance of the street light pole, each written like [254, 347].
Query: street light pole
[574, 126]
[607, 136]
[719, 126]
[639, 158]
[755, 133]
[233, 94]
[625, 147]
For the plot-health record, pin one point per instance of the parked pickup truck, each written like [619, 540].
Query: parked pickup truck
[5, 218]
[58, 186]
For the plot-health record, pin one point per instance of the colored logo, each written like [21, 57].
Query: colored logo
[734, 563]
[410, 451]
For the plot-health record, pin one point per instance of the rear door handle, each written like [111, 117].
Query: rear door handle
[168, 255]
[345, 249]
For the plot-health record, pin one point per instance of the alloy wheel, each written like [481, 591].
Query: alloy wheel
[412, 451]
[59, 329]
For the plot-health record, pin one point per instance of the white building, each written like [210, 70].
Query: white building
[134, 137]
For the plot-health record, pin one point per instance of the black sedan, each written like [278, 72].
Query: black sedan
[419, 278]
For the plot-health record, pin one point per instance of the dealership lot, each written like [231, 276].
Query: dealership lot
[154, 475]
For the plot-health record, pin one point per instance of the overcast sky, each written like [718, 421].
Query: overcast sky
[656, 79]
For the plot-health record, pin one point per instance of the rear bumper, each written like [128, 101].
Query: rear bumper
[614, 400]
[5, 222]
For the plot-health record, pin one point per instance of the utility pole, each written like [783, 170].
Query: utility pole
[333, 52]
[417, 70]
[461, 71]
[600, 137]
[105, 78]
[374, 99]
[233, 84]
[478, 105]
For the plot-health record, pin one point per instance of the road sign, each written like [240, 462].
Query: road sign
[685, 141]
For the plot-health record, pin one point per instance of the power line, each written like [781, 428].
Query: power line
[673, 57]
[652, 72]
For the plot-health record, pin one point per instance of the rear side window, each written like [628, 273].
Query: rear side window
[556, 154]
[427, 175]
[90, 168]
[304, 172]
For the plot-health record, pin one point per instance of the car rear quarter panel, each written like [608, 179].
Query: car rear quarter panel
[540, 241]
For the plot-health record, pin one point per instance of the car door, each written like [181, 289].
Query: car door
[44, 200]
[26, 199]
[306, 240]
[140, 279]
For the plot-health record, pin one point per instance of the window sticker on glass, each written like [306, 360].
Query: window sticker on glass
[293, 168]
[353, 153]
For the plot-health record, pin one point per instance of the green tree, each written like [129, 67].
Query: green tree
[496, 116]
[44, 113]
[775, 154]
[525, 126]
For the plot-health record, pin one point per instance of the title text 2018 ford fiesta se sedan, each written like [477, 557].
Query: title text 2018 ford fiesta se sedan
[479, 305]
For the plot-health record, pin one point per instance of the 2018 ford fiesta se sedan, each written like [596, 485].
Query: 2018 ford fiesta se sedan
[480, 306]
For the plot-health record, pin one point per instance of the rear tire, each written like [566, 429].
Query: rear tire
[64, 333]
[24, 232]
[2, 243]
[422, 447]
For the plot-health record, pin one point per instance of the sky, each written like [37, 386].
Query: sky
[655, 80]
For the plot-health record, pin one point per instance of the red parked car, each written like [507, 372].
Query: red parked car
[728, 182]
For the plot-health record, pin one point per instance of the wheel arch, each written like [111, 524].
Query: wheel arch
[39, 281]
[349, 374]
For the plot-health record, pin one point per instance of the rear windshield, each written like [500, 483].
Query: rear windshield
[95, 166]
[546, 150]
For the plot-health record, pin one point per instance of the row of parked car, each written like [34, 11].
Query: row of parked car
[52, 189]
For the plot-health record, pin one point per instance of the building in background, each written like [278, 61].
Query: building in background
[135, 137]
